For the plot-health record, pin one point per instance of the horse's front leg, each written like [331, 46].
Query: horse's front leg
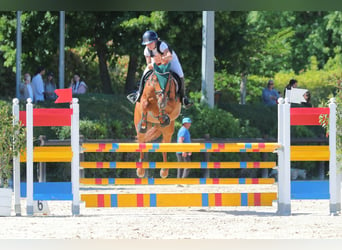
[142, 126]
[163, 118]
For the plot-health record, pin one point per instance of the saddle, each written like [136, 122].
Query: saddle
[163, 73]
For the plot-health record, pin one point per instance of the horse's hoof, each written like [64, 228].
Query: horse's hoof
[142, 129]
[164, 172]
[166, 121]
[140, 172]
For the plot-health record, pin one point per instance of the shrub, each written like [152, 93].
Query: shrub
[12, 142]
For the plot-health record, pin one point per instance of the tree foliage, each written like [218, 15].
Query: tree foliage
[261, 43]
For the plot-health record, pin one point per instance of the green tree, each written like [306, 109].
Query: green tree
[310, 35]
[92, 31]
[254, 42]
[40, 34]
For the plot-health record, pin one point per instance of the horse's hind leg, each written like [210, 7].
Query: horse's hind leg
[167, 135]
[141, 171]
[164, 172]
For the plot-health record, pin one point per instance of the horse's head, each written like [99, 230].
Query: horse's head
[159, 97]
[149, 99]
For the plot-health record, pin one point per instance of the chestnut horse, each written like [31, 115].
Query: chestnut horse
[156, 112]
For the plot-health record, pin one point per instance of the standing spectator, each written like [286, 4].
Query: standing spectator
[50, 87]
[287, 91]
[78, 86]
[183, 136]
[307, 97]
[38, 85]
[25, 88]
[269, 94]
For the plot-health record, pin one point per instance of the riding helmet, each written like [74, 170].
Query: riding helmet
[149, 37]
[186, 120]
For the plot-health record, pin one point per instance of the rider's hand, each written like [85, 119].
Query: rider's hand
[158, 59]
[164, 60]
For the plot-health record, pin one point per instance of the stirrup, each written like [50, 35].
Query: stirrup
[133, 97]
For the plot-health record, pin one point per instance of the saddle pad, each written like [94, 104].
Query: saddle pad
[162, 72]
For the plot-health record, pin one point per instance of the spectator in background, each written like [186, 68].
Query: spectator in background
[269, 94]
[293, 83]
[183, 136]
[25, 88]
[307, 97]
[38, 85]
[78, 86]
[50, 87]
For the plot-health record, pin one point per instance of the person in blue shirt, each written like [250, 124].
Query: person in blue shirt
[269, 94]
[183, 136]
[38, 85]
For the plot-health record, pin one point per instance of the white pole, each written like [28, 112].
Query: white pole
[284, 168]
[287, 156]
[61, 48]
[338, 191]
[208, 44]
[16, 163]
[18, 54]
[75, 143]
[334, 180]
[280, 155]
[29, 157]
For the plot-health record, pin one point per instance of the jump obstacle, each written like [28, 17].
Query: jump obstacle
[181, 199]
[47, 117]
[288, 117]
[285, 151]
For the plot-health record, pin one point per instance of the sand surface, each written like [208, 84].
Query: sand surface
[310, 219]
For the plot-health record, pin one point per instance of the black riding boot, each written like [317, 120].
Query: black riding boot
[134, 97]
[184, 99]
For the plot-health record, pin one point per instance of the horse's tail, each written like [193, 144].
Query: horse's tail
[152, 133]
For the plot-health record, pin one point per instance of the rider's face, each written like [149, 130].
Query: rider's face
[151, 45]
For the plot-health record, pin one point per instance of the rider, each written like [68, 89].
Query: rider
[159, 51]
